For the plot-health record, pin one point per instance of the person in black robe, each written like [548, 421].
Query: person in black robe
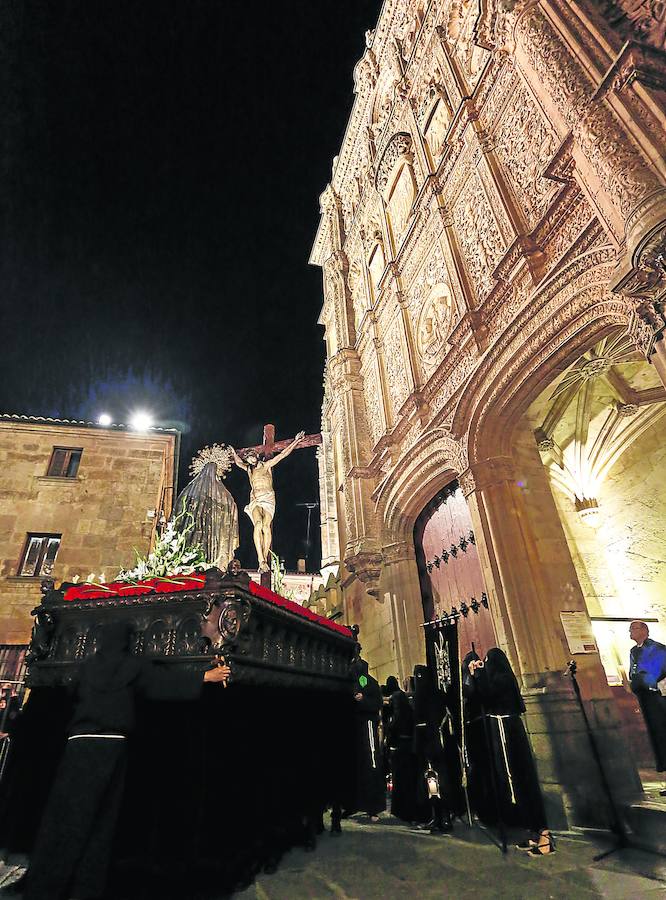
[479, 776]
[384, 719]
[72, 851]
[494, 687]
[369, 794]
[435, 748]
[10, 706]
[647, 667]
[399, 740]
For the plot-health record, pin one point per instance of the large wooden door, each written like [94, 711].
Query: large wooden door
[449, 567]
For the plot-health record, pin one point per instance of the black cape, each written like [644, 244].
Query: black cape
[369, 791]
[435, 744]
[495, 689]
[404, 768]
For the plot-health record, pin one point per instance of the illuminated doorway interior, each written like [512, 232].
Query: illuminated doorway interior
[601, 433]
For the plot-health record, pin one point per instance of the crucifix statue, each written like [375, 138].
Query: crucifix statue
[258, 462]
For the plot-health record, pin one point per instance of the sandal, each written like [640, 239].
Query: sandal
[543, 848]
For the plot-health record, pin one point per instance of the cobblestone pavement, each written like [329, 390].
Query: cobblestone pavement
[389, 861]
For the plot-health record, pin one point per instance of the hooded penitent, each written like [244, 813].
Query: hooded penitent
[107, 683]
[506, 698]
[392, 685]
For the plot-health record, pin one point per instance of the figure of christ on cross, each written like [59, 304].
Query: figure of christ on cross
[258, 462]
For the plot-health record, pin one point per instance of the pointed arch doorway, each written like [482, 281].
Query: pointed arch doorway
[449, 566]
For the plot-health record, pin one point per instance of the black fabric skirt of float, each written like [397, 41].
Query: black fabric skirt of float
[215, 789]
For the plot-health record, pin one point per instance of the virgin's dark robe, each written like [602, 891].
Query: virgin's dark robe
[647, 667]
[213, 516]
[496, 690]
[369, 794]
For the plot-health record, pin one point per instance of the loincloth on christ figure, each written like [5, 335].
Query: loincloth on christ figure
[261, 500]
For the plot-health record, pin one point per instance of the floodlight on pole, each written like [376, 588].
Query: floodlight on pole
[104, 419]
[141, 421]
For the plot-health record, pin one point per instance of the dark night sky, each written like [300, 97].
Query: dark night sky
[161, 167]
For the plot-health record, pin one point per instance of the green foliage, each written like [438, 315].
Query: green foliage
[277, 577]
[171, 554]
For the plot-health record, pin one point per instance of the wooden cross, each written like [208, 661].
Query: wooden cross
[270, 447]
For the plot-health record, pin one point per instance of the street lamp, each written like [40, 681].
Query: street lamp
[309, 507]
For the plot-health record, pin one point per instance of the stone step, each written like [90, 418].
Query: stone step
[647, 820]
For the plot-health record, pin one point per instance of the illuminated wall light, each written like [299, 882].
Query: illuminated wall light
[104, 419]
[588, 511]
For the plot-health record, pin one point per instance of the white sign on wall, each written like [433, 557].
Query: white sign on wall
[578, 631]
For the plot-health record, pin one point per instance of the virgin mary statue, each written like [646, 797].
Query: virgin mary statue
[214, 522]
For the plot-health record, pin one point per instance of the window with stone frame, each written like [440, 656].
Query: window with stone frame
[39, 554]
[400, 201]
[64, 462]
[436, 128]
[376, 266]
[12, 662]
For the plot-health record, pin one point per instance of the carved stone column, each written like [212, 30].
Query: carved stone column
[338, 297]
[530, 578]
[330, 544]
[362, 551]
[401, 576]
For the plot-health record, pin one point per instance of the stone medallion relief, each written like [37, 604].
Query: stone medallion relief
[434, 325]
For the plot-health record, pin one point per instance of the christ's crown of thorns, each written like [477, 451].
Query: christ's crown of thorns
[219, 454]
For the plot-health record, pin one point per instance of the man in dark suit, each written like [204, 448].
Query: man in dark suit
[647, 667]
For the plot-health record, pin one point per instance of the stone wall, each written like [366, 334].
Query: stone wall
[124, 481]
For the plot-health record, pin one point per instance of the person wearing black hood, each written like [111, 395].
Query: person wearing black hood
[370, 788]
[493, 686]
[399, 739]
[479, 775]
[73, 847]
[434, 746]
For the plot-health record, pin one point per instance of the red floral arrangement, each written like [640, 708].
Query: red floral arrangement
[192, 582]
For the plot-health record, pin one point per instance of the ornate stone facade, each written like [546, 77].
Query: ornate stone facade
[504, 194]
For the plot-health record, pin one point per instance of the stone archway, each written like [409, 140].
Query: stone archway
[429, 465]
[530, 573]
[601, 432]
[525, 557]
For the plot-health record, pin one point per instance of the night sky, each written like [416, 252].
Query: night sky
[161, 167]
